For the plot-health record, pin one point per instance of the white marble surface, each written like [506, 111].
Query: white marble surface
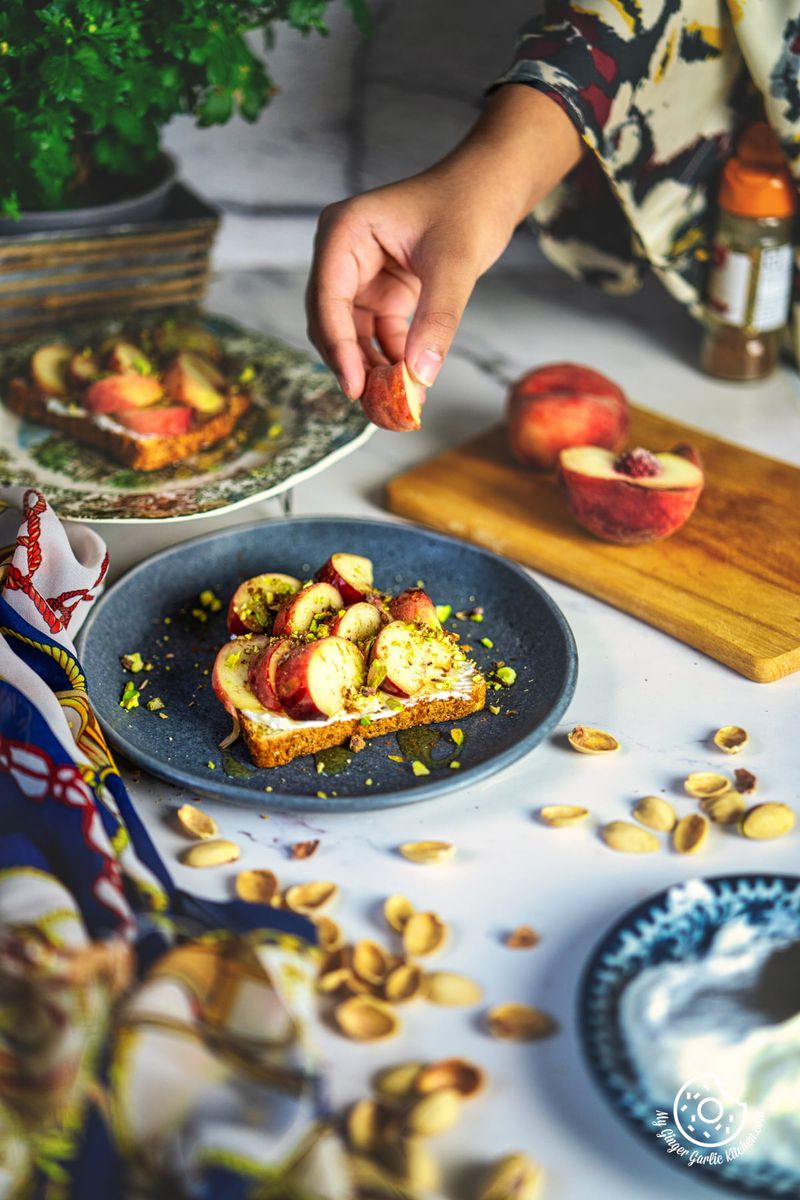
[661, 698]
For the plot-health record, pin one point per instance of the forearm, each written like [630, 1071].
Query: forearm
[520, 148]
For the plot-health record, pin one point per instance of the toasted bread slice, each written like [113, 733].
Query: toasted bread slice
[140, 451]
[275, 747]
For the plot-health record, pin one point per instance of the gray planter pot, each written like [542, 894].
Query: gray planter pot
[147, 206]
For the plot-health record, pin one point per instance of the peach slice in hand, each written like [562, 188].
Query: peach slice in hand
[315, 681]
[115, 393]
[261, 674]
[254, 603]
[630, 498]
[168, 420]
[358, 623]
[309, 603]
[414, 605]
[561, 405]
[392, 399]
[49, 368]
[350, 573]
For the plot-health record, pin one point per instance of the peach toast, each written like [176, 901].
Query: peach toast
[146, 406]
[316, 664]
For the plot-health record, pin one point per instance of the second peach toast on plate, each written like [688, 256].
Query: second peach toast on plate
[316, 664]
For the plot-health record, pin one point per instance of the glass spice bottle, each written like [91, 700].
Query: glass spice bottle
[751, 261]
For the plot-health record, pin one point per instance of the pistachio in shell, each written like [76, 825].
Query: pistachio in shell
[559, 816]
[310, 898]
[372, 1179]
[211, 853]
[702, 784]
[456, 1073]
[258, 886]
[363, 1124]
[366, 1019]
[731, 739]
[397, 909]
[433, 1113]
[412, 1163]
[370, 961]
[690, 834]
[519, 1022]
[195, 823]
[398, 1081]
[513, 1177]
[424, 933]
[329, 934]
[337, 980]
[656, 813]
[402, 984]
[628, 838]
[767, 821]
[587, 740]
[452, 989]
[427, 852]
[727, 809]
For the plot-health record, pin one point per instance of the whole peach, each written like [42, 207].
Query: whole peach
[560, 405]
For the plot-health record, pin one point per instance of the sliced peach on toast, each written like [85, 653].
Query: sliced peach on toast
[318, 679]
[84, 368]
[358, 623]
[350, 573]
[305, 607]
[168, 420]
[50, 368]
[193, 380]
[125, 358]
[261, 674]
[254, 603]
[229, 678]
[416, 606]
[115, 393]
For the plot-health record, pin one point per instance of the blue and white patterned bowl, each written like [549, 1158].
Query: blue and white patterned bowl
[676, 925]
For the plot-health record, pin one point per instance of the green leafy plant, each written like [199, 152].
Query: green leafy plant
[86, 86]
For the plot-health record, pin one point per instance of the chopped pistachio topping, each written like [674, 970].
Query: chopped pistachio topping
[133, 662]
[211, 766]
[396, 758]
[494, 708]
[419, 768]
[454, 765]
[275, 430]
[247, 374]
[209, 600]
[443, 611]
[393, 703]
[130, 696]
[365, 721]
[506, 676]
[377, 674]
[457, 735]
[155, 704]
[233, 658]
[488, 643]
[200, 614]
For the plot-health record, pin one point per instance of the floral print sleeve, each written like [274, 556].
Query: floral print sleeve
[658, 90]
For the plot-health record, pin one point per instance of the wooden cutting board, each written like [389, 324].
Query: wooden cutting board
[728, 583]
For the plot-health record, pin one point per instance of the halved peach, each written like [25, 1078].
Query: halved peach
[630, 498]
[115, 393]
[168, 420]
[561, 405]
[350, 573]
[261, 674]
[416, 606]
[358, 623]
[316, 680]
[84, 368]
[397, 651]
[193, 380]
[392, 399]
[229, 678]
[50, 367]
[308, 604]
[254, 603]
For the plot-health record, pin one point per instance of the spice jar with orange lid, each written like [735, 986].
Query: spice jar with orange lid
[750, 279]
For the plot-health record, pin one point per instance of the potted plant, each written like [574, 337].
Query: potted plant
[86, 87]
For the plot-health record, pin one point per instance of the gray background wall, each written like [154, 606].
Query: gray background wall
[352, 113]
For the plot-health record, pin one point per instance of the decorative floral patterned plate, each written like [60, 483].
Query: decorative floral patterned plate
[299, 424]
[678, 925]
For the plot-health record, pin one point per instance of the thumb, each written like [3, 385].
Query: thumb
[442, 301]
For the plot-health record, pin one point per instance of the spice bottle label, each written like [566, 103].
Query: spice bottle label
[751, 290]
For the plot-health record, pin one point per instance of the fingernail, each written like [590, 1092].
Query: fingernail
[345, 386]
[426, 366]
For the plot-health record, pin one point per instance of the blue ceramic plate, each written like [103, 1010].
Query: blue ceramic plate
[154, 610]
[674, 926]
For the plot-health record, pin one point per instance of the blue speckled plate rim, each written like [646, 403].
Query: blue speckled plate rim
[291, 802]
[628, 921]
